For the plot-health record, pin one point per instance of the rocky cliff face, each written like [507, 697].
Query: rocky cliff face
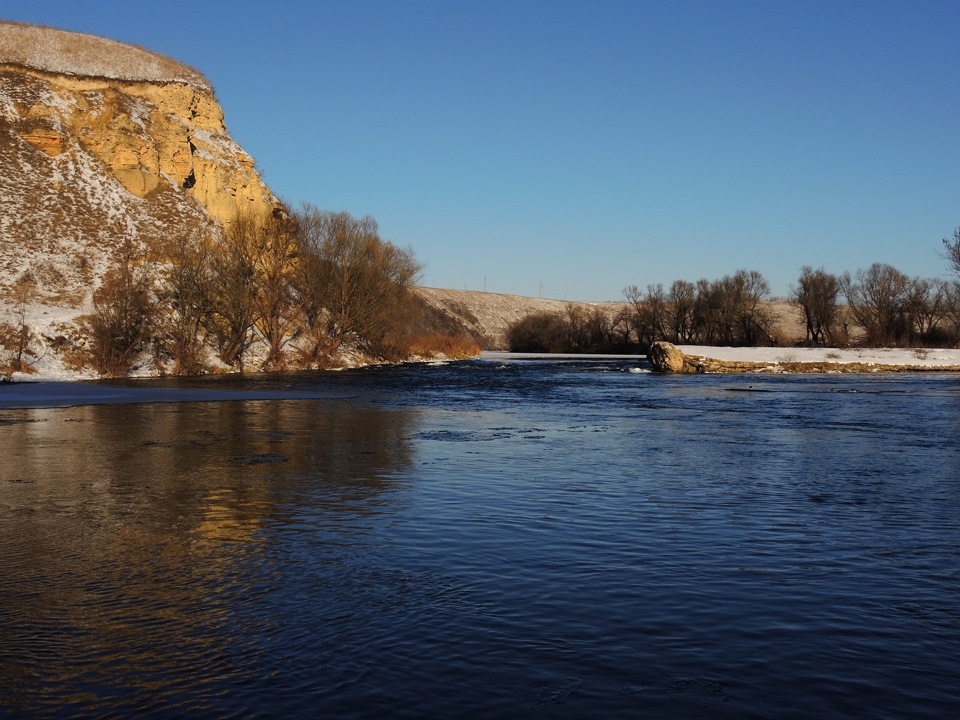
[102, 142]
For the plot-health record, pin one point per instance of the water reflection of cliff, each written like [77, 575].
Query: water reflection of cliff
[108, 462]
[131, 522]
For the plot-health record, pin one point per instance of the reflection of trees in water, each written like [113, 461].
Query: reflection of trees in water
[298, 454]
[135, 521]
[162, 464]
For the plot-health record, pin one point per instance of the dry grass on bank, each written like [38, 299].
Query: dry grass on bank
[451, 347]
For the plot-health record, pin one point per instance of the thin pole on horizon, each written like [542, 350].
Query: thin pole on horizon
[541, 291]
[484, 282]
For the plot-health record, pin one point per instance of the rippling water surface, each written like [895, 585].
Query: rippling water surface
[486, 539]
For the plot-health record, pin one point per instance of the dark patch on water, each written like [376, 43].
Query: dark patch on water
[465, 436]
[264, 459]
[557, 693]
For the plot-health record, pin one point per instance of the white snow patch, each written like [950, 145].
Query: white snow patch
[80, 54]
[8, 108]
[217, 147]
[920, 357]
[47, 321]
[140, 112]
[63, 107]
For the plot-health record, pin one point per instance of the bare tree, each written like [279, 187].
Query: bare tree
[640, 315]
[730, 311]
[16, 336]
[233, 289]
[636, 315]
[309, 283]
[877, 300]
[573, 330]
[952, 250]
[816, 296]
[951, 309]
[649, 313]
[122, 313]
[754, 319]
[621, 330]
[704, 314]
[352, 280]
[926, 308]
[586, 330]
[184, 291]
[543, 332]
[736, 311]
[658, 312]
[23, 292]
[682, 298]
[274, 259]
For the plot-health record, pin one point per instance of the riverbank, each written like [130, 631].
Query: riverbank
[668, 358]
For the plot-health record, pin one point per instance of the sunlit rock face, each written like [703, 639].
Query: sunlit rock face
[102, 142]
[666, 358]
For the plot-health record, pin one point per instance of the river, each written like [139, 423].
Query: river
[484, 539]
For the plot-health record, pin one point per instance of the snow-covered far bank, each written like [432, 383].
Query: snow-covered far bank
[49, 366]
[901, 357]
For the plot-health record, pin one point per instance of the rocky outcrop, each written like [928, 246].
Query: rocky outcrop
[102, 142]
[666, 358]
[144, 135]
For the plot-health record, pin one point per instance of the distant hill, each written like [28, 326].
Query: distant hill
[485, 317]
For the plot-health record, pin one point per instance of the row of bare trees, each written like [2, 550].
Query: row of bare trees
[889, 307]
[728, 311]
[879, 305]
[576, 329]
[882, 305]
[310, 279]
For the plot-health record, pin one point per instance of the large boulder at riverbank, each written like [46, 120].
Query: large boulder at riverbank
[665, 357]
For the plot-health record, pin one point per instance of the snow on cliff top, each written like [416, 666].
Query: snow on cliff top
[78, 54]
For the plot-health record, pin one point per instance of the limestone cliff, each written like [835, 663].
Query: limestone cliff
[102, 142]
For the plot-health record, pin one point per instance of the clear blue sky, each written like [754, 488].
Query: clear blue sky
[589, 145]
